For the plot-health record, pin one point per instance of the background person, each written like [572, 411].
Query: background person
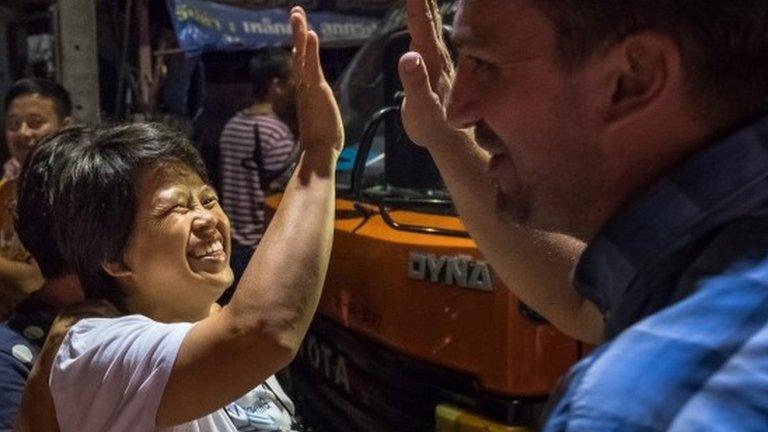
[34, 108]
[639, 127]
[36, 411]
[158, 247]
[255, 147]
[23, 334]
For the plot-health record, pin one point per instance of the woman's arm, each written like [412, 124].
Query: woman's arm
[260, 330]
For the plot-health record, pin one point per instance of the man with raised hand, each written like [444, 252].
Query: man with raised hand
[522, 257]
[640, 128]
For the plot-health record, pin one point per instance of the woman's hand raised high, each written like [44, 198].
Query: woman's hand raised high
[320, 126]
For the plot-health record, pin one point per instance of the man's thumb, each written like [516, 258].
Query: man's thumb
[414, 76]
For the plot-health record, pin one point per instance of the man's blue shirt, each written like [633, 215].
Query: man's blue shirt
[681, 275]
[21, 338]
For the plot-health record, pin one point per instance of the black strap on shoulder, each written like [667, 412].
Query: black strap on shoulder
[266, 177]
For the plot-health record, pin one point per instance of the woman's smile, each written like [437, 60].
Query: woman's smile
[208, 257]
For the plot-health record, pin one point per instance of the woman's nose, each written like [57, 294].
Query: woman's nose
[204, 222]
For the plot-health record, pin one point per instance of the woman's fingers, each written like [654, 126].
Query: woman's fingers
[313, 70]
[306, 48]
[299, 27]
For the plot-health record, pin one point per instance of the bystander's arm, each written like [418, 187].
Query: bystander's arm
[17, 281]
[37, 412]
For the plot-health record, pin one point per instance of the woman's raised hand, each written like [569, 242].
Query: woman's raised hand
[320, 126]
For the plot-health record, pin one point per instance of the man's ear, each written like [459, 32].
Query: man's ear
[68, 121]
[116, 269]
[644, 67]
[278, 86]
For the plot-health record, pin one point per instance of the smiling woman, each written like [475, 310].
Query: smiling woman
[181, 240]
[133, 216]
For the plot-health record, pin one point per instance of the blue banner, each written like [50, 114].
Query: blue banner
[207, 26]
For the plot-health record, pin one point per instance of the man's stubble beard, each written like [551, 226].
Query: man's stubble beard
[514, 209]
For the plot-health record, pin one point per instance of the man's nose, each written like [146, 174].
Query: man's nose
[26, 131]
[463, 102]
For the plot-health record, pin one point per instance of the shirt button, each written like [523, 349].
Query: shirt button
[34, 333]
[22, 353]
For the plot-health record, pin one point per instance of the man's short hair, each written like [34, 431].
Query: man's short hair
[724, 44]
[43, 87]
[266, 65]
[77, 197]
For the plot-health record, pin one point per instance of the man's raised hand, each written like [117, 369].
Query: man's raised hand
[425, 25]
[427, 75]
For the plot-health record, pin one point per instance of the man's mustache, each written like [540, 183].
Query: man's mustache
[486, 137]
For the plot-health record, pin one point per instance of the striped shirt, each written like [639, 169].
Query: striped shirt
[241, 194]
[681, 275]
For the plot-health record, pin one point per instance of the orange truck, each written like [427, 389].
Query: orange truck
[414, 331]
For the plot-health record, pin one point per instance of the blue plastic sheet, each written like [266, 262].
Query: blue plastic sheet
[207, 26]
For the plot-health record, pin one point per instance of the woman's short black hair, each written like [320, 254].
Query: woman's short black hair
[77, 196]
[44, 87]
[266, 65]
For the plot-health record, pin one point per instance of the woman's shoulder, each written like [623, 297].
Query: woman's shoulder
[126, 337]
[116, 366]
[121, 324]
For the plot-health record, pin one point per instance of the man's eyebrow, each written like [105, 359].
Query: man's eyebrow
[464, 39]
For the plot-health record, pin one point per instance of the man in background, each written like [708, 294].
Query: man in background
[255, 147]
[34, 108]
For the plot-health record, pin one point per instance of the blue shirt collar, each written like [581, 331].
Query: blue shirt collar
[715, 185]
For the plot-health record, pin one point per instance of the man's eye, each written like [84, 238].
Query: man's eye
[480, 65]
[36, 123]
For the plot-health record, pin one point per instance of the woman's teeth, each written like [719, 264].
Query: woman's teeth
[209, 249]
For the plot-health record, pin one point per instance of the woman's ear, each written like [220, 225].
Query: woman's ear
[116, 269]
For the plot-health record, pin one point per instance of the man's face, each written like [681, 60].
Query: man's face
[535, 118]
[29, 118]
[285, 94]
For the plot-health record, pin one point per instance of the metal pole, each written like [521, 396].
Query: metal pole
[77, 55]
[145, 57]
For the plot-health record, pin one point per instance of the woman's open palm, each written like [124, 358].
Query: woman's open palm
[320, 123]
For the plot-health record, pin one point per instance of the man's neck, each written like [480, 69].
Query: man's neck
[260, 108]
